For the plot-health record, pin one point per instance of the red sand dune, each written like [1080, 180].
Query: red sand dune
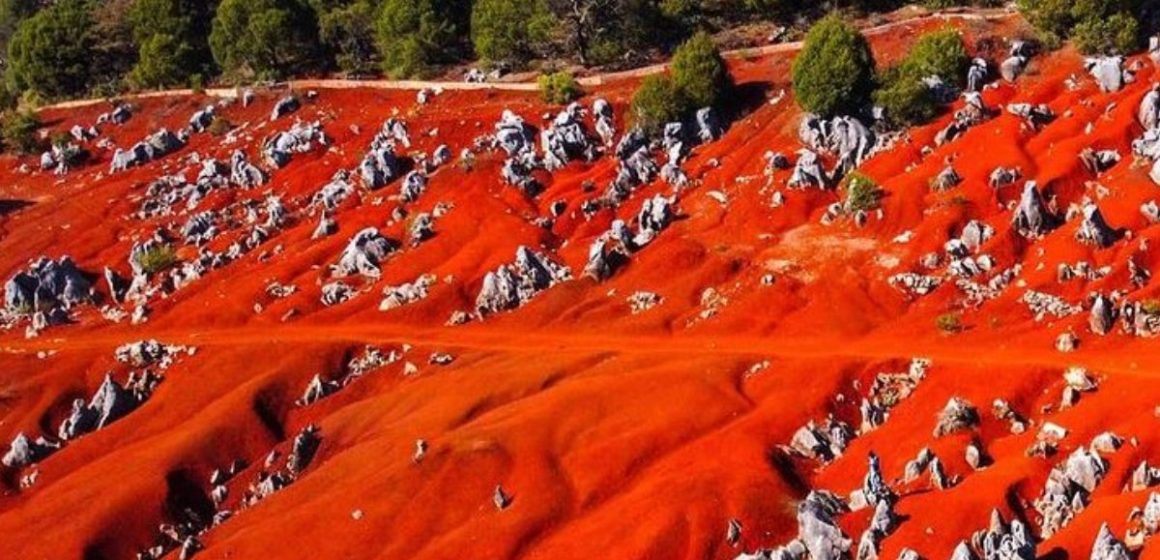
[616, 435]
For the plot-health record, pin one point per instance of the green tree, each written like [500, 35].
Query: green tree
[51, 52]
[171, 39]
[349, 32]
[511, 31]
[12, 12]
[265, 38]
[414, 35]
[699, 72]
[163, 61]
[942, 54]
[834, 72]
[656, 102]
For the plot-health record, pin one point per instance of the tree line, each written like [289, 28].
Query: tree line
[68, 48]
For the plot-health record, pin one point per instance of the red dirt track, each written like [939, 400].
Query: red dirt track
[616, 435]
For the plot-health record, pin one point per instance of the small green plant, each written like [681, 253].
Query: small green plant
[220, 126]
[19, 130]
[905, 98]
[559, 88]
[656, 103]
[902, 92]
[156, 259]
[862, 193]
[60, 139]
[197, 84]
[949, 323]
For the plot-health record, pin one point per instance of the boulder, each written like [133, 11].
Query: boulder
[364, 253]
[1094, 230]
[1013, 67]
[1031, 218]
[1108, 547]
[1109, 72]
[285, 106]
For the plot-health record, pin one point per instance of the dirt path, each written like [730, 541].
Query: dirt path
[1124, 361]
[995, 14]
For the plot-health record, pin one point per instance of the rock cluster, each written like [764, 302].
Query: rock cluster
[512, 285]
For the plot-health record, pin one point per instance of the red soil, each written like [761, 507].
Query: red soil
[617, 435]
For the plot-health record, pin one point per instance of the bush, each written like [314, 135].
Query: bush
[656, 103]
[19, 132]
[949, 323]
[904, 97]
[510, 30]
[1118, 34]
[699, 72]
[1096, 26]
[1049, 16]
[197, 84]
[414, 35]
[156, 259]
[901, 91]
[862, 193]
[559, 88]
[942, 54]
[219, 126]
[834, 72]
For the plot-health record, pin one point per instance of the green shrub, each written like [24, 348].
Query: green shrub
[1096, 26]
[1049, 16]
[157, 259]
[219, 126]
[197, 84]
[699, 72]
[59, 139]
[834, 72]
[862, 193]
[904, 97]
[949, 323]
[1118, 34]
[559, 88]
[656, 103]
[19, 130]
[901, 91]
[942, 54]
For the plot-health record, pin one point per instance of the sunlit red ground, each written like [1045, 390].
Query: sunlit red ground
[617, 435]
